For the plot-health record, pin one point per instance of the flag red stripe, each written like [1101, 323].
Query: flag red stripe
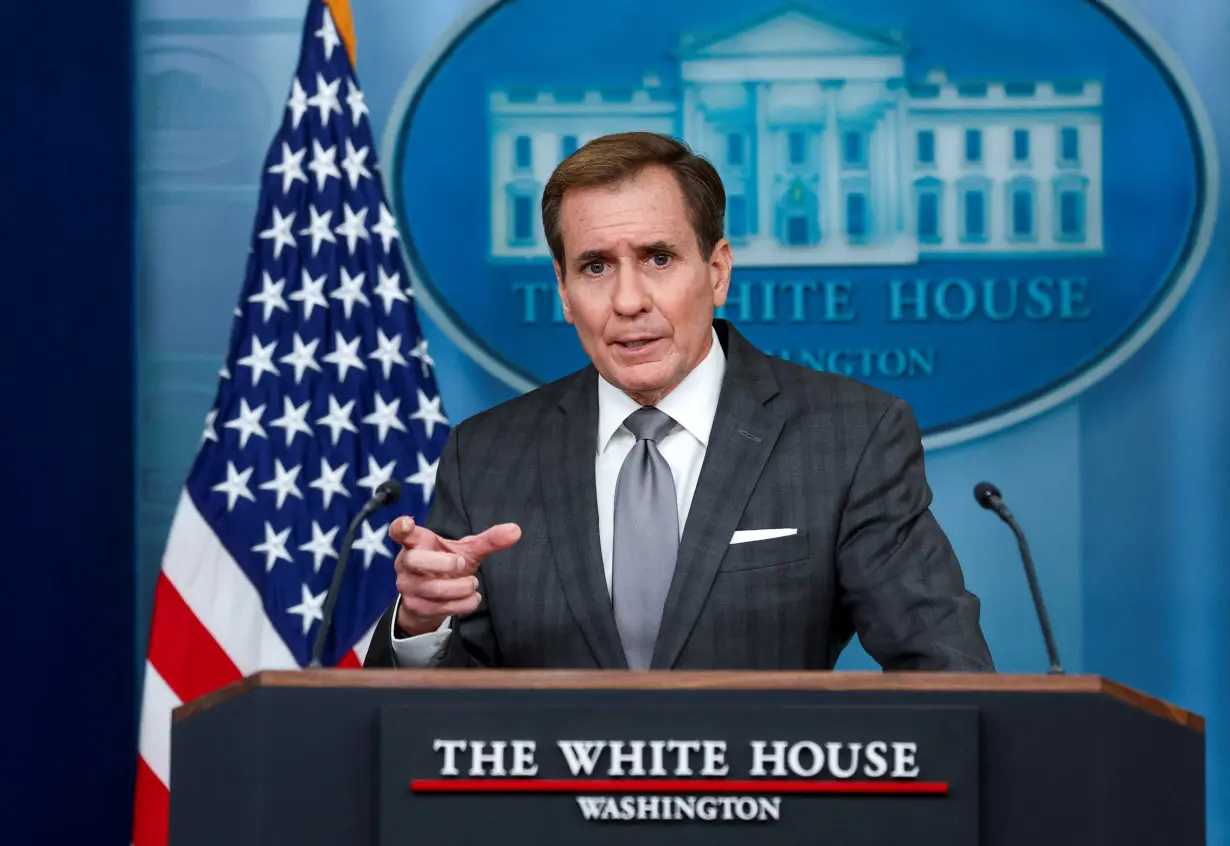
[152, 809]
[183, 650]
[350, 661]
[643, 785]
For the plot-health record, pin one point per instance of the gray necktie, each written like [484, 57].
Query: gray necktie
[646, 537]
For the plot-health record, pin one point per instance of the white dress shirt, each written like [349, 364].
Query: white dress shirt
[692, 405]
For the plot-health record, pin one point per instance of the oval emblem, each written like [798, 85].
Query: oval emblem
[984, 219]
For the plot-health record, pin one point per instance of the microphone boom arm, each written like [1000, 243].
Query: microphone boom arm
[1032, 577]
[387, 494]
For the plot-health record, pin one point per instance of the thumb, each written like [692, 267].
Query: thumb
[495, 539]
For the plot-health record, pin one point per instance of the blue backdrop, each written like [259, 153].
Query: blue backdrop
[1123, 488]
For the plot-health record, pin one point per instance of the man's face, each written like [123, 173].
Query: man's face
[635, 285]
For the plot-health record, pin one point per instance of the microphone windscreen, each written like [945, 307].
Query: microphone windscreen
[984, 492]
[389, 491]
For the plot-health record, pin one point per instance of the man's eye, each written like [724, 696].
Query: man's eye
[595, 267]
[661, 259]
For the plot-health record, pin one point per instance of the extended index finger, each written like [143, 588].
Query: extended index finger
[408, 534]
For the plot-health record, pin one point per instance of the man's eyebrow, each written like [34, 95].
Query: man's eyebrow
[658, 246]
[588, 256]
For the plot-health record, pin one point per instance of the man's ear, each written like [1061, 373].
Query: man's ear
[721, 264]
[562, 290]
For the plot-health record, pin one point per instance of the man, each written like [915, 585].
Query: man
[685, 501]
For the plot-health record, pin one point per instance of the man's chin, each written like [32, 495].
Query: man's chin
[641, 379]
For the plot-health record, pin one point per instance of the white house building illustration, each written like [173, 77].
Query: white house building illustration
[830, 156]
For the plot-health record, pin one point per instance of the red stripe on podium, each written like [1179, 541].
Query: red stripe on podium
[633, 785]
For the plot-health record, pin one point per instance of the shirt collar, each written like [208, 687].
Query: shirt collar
[692, 404]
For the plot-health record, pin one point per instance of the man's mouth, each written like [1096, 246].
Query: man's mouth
[637, 344]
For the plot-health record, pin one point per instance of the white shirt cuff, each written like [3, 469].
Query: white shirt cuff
[420, 650]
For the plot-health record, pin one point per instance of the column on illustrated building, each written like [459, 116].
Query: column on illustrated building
[878, 201]
[766, 156]
[901, 165]
[831, 219]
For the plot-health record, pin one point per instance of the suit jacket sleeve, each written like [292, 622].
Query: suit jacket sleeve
[902, 584]
[472, 643]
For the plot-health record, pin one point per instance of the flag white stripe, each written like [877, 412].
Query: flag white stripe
[360, 648]
[157, 703]
[220, 594]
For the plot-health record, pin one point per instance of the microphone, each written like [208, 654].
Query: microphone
[387, 494]
[989, 497]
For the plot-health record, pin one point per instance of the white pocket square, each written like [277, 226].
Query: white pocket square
[745, 535]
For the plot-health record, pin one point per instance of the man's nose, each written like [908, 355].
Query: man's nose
[631, 294]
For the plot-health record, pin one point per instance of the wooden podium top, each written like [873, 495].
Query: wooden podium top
[694, 680]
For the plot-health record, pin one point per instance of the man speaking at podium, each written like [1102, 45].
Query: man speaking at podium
[686, 501]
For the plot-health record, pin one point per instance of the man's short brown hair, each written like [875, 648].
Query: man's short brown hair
[611, 159]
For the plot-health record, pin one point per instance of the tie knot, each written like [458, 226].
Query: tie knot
[649, 423]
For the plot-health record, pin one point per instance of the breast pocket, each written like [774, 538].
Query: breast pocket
[759, 554]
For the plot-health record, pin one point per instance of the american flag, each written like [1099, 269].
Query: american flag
[327, 391]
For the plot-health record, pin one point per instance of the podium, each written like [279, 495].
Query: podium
[441, 757]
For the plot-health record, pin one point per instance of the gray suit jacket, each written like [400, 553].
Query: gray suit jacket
[790, 447]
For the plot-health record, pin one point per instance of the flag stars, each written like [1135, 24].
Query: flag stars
[291, 166]
[329, 482]
[385, 418]
[310, 608]
[321, 545]
[302, 357]
[297, 104]
[328, 34]
[312, 292]
[388, 352]
[372, 543]
[429, 412]
[325, 98]
[350, 291]
[274, 546]
[345, 355]
[386, 228]
[354, 99]
[425, 477]
[320, 229]
[338, 419]
[353, 227]
[354, 165]
[420, 352]
[235, 486]
[377, 475]
[279, 232]
[248, 422]
[283, 483]
[270, 296]
[389, 290]
[210, 434]
[323, 164]
[260, 360]
[293, 420]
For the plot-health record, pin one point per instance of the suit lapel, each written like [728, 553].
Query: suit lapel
[743, 436]
[567, 455]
